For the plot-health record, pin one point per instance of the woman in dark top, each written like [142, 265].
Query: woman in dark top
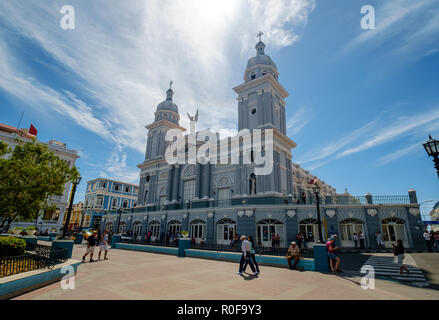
[399, 253]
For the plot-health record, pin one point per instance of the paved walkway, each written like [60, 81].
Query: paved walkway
[141, 275]
[385, 265]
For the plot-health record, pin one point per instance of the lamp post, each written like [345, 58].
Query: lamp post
[432, 148]
[119, 210]
[72, 196]
[316, 190]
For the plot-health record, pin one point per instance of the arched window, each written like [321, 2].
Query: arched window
[137, 229]
[198, 230]
[267, 231]
[174, 227]
[154, 228]
[109, 226]
[189, 189]
[125, 204]
[252, 75]
[114, 203]
[264, 72]
[226, 230]
[393, 230]
[309, 229]
[123, 227]
[347, 229]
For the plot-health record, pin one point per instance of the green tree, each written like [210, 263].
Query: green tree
[29, 175]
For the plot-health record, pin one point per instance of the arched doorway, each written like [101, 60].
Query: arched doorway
[198, 230]
[266, 228]
[137, 230]
[310, 229]
[226, 229]
[174, 227]
[123, 227]
[109, 226]
[347, 229]
[154, 228]
[393, 230]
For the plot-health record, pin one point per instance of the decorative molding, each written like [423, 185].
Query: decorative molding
[224, 180]
[330, 213]
[372, 212]
[248, 213]
[269, 216]
[291, 213]
[210, 215]
[240, 213]
[163, 217]
[414, 211]
[184, 215]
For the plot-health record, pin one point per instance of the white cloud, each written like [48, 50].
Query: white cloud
[299, 120]
[399, 154]
[116, 167]
[370, 136]
[125, 54]
[405, 20]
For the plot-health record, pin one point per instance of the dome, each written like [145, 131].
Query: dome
[261, 59]
[168, 104]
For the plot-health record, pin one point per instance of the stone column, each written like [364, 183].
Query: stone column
[169, 184]
[175, 183]
[197, 181]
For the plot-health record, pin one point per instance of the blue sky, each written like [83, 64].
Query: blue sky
[361, 101]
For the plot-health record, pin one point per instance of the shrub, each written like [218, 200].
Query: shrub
[11, 246]
[31, 228]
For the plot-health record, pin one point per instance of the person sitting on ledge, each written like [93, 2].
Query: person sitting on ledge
[293, 253]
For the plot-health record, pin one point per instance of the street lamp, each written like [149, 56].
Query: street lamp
[119, 210]
[432, 148]
[66, 225]
[316, 190]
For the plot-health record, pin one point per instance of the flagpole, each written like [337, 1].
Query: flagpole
[18, 125]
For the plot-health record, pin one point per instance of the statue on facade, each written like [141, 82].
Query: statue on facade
[252, 181]
[193, 120]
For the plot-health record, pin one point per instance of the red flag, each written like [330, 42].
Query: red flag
[32, 130]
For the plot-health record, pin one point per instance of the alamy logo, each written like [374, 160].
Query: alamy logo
[68, 281]
[205, 147]
[68, 20]
[368, 281]
[368, 20]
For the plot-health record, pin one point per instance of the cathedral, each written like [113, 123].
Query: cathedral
[216, 201]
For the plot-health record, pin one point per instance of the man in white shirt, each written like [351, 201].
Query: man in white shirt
[246, 248]
[428, 240]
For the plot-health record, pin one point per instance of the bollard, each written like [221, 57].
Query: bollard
[183, 244]
[321, 258]
[63, 244]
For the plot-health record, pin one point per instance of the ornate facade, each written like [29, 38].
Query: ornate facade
[216, 201]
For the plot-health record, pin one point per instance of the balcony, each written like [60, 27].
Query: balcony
[280, 201]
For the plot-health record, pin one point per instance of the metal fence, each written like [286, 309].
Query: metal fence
[39, 257]
[272, 251]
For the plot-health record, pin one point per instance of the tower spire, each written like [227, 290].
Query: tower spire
[260, 46]
[169, 92]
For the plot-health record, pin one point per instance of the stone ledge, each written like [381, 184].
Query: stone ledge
[24, 282]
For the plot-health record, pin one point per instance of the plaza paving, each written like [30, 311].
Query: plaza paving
[141, 275]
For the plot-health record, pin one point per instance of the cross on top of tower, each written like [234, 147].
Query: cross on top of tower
[259, 35]
[170, 85]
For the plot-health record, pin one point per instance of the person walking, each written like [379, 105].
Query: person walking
[293, 253]
[361, 236]
[91, 245]
[398, 251]
[103, 246]
[355, 238]
[427, 238]
[246, 249]
[252, 255]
